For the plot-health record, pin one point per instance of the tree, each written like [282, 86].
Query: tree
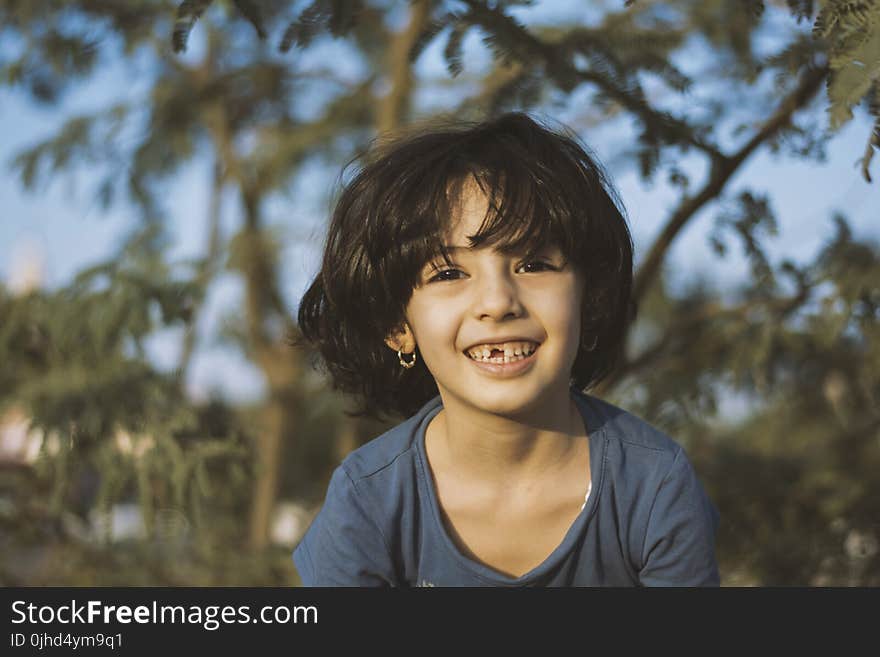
[794, 482]
[849, 31]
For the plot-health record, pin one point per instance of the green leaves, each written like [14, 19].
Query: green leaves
[335, 16]
[851, 31]
[188, 12]
[749, 216]
[84, 139]
[251, 11]
[804, 336]
[76, 363]
[855, 72]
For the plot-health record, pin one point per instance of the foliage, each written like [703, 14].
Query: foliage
[795, 479]
[852, 32]
[108, 425]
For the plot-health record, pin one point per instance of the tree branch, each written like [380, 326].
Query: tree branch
[395, 104]
[780, 308]
[723, 168]
[495, 80]
[530, 49]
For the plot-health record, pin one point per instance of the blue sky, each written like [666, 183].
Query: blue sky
[64, 228]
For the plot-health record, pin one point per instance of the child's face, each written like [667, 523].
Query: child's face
[486, 297]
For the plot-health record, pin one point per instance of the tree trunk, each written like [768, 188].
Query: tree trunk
[394, 107]
[279, 363]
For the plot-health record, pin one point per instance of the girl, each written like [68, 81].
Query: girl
[476, 280]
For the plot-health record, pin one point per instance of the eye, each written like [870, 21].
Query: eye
[444, 275]
[541, 265]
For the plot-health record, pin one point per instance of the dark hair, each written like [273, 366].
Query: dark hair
[543, 188]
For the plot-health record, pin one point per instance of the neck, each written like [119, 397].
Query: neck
[501, 450]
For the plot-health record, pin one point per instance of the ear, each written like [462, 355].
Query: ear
[402, 339]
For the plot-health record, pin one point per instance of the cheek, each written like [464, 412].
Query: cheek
[566, 317]
[579, 299]
[432, 323]
[564, 307]
[567, 320]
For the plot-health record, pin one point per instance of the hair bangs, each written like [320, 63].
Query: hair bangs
[524, 214]
[522, 217]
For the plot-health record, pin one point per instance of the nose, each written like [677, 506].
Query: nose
[497, 296]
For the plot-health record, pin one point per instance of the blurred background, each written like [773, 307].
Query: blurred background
[168, 173]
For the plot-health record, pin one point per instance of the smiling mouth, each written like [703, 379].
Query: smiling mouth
[498, 357]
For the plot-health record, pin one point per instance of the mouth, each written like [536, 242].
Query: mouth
[498, 356]
[498, 364]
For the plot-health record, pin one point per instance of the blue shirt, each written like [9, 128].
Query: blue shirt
[647, 520]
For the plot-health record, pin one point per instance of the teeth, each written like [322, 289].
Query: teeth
[512, 351]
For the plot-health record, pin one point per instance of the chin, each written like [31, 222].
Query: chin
[514, 400]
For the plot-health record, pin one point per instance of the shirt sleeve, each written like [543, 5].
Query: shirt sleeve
[343, 546]
[679, 548]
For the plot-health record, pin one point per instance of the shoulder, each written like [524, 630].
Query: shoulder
[636, 456]
[626, 431]
[391, 450]
[669, 520]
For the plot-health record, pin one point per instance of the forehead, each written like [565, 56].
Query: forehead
[468, 211]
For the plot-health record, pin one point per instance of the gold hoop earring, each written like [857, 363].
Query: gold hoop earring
[404, 363]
